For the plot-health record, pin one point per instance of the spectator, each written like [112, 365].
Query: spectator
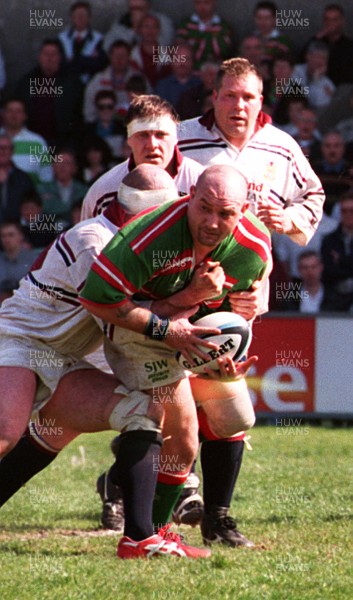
[136, 85]
[52, 98]
[38, 231]
[273, 40]
[311, 295]
[114, 78]
[191, 101]
[306, 136]
[107, 126]
[287, 252]
[96, 159]
[15, 261]
[337, 255]
[345, 128]
[58, 196]
[340, 60]
[127, 28]
[210, 37]
[312, 74]
[31, 152]
[335, 173]
[82, 45]
[287, 112]
[146, 56]
[13, 183]
[252, 49]
[281, 83]
[181, 79]
[339, 108]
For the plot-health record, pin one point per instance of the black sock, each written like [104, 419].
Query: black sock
[136, 471]
[221, 462]
[23, 462]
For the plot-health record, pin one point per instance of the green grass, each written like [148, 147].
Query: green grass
[294, 498]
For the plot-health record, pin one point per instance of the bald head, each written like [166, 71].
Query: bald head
[217, 204]
[149, 177]
[224, 181]
[146, 186]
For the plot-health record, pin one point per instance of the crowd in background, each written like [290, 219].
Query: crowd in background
[62, 126]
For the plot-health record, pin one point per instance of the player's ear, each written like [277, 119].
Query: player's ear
[245, 207]
[192, 191]
[214, 95]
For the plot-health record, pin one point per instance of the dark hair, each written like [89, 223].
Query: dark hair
[119, 44]
[94, 142]
[336, 7]
[11, 223]
[137, 84]
[285, 56]
[103, 94]
[31, 196]
[308, 254]
[15, 99]
[52, 42]
[271, 6]
[80, 4]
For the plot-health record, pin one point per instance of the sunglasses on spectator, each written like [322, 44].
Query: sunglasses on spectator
[107, 106]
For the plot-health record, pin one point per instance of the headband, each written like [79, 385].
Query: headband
[134, 201]
[162, 123]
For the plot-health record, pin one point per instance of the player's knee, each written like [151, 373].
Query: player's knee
[185, 444]
[230, 416]
[135, 411]
[189, 451]
[225, 428]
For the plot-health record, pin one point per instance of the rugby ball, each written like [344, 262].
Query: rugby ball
[234, 340]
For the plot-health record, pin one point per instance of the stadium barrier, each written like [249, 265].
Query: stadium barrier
[305, 366]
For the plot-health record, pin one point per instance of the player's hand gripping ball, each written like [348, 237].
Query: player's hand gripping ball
[234, 340]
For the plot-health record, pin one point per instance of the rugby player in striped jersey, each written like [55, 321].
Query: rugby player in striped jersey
[211, 227]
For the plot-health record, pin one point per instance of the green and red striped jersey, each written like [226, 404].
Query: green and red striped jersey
[153, 257]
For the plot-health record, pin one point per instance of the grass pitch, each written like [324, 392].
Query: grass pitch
[294, 499]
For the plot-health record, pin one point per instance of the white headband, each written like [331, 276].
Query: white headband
[163, 123]
[134, 201]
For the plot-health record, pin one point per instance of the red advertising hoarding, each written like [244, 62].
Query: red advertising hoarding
[283, 380]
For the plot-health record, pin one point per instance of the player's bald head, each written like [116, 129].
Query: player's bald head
[223, 181]
[217, 204]
[146, 186]
[149, 177]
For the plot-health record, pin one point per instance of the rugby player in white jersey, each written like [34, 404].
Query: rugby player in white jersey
[154, 143]
[45, 332]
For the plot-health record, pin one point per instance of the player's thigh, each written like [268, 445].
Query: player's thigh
[82, 401]
[17, 393]
[227, 405]
[180, 427]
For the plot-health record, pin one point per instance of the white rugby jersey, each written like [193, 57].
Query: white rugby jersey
[46, 305]
[185, 174]
[273, 163]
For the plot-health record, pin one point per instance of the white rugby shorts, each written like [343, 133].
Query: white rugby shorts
[48, 364]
